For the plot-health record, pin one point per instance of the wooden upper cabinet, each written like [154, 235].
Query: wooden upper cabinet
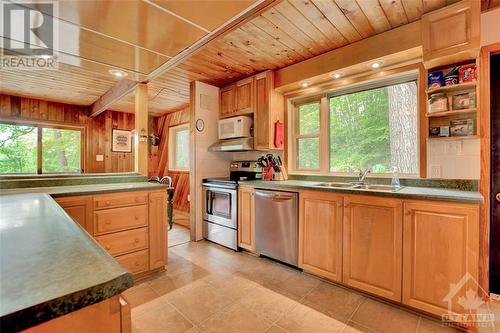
[372, 245]
[269, 108]
[246, 223]
[227, 102]
[451, 34]
[244, 92]
[158, 240]
[320, 234]
[80, 209]
[441, 245]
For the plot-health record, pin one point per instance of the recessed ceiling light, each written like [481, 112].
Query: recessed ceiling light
[336, 75]
[45, 56]
[376, 64]
[304, 84]
[117, 73]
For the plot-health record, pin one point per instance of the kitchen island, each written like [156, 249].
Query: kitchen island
[68, 251]
[49, 265]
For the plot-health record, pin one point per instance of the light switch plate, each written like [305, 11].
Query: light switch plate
[435, 171]
[99, 158]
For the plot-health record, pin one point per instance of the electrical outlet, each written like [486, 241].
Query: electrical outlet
[189, 198]
[435, 171]
[99, 158]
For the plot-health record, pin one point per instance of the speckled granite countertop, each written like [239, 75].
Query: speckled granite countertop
[49, 266]
[405, 192]
[61, 191]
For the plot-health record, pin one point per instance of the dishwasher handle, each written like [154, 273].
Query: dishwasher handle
[277, 197]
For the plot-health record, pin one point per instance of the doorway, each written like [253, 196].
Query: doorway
[495, 174]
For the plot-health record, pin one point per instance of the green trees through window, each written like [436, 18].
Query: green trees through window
[61, 149]
[374, 128]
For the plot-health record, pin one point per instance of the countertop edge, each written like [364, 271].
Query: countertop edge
[43, 312]
[397, 194]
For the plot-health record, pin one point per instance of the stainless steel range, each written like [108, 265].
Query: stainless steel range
[220, 211]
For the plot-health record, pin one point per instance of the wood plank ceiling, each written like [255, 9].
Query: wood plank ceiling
[289, 32]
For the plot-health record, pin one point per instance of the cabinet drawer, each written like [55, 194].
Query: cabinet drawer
[124, 241]
[120, 199]
[136, 262]
[116, 219]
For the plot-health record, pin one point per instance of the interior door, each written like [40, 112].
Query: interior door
[495, 176]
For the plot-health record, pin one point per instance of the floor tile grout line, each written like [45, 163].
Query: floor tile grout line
[352, 314]
[182, 314]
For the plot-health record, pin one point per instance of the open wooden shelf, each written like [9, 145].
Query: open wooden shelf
[455, 87]
[450, 112]
[447, 138]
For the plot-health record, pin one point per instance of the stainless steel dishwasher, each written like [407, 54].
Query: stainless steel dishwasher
[277, 225]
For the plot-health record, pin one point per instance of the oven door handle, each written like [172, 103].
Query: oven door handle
[209, 202]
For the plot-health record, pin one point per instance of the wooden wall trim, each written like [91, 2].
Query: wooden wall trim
[397, 40]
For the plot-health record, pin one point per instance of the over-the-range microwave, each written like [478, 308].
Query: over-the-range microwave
[235, 127]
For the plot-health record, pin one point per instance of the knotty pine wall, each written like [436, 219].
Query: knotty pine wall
[97, 130]
[160, 153]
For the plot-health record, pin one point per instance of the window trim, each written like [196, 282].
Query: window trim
[172, 130]
[40, 126]
[412, 75]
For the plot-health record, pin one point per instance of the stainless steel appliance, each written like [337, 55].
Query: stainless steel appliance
[220, 209]
[277, 225]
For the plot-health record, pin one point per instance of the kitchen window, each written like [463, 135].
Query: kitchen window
[178, 148]
[26, 149]
[371, 126]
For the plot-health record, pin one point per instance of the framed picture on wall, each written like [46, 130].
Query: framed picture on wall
[121, 141]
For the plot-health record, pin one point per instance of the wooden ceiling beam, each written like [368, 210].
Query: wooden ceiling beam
[121, 89]
[403, 38]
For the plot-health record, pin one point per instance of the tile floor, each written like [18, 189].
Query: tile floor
[212, 289]
[178, 235]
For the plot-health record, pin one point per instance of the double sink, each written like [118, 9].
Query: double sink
[368, 187]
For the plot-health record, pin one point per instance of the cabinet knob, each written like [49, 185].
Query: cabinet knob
[498, 197]
[137, 264]
[136, 218]
[108, 247]
[108, 203]
[136, 240]
[407, 213]
[107, 222]
[136, 199]
[346, 205]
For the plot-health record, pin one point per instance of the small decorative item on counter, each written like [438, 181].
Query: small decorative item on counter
[438, 102]
[451, 77]
[462, 127]
[435, 79]
[464, 100]
[467, 73]
[439, 131]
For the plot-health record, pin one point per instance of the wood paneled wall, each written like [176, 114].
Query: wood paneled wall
[180, 179]
[97, 130]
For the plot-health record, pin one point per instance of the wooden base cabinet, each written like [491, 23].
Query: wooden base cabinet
[441, 245]
[246, 223]
[131, 226]
[372, 243]
[320, 234]
[79, 209]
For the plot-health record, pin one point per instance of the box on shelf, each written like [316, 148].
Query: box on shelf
[462, 127]
[438, 102]
[441, 131]
[464, 100]
[467, 73]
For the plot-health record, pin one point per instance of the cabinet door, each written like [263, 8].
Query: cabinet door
[80, 210]
[157, 229]
[227, 103]
[373, 245]
[440, 250]
[246, 228]
[269, 108]
[320, 234]
[244, 94]
[451, 34]
[262, 127]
